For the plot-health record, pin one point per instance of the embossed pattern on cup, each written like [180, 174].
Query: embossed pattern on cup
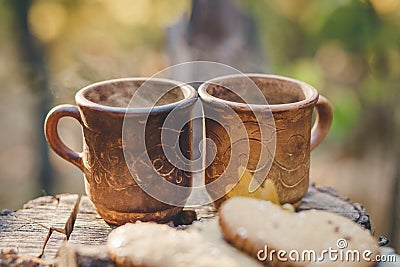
[291, 103]
[101, 110]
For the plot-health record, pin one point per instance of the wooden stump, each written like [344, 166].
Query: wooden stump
[34, 235]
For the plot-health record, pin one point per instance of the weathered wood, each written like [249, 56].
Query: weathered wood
[38, 211]
[53, 244]
[44, 201]
[24, 237]
[39, 228]
[327, 198]
[26, 231]
[37, 232]
[89, 227]
[65, 214]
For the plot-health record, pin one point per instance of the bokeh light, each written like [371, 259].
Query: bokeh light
[385, 7]
[47, 19]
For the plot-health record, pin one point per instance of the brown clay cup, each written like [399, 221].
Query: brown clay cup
[102, 109]
[290, 106]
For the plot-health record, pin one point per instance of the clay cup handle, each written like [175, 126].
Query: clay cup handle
[322, 123]
[51, 133]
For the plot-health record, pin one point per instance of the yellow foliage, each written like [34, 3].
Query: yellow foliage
[267, 191]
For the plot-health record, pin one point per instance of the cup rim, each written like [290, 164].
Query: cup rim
[311, 94]
[190, 95]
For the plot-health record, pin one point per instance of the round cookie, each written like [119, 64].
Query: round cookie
[156, 245]
[283, 238]
[210, 231]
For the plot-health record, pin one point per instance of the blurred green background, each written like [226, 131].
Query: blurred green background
[348, 49]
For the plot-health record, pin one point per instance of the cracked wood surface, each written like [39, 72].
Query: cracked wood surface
[89, 227]
[34, 235]
[38, 229]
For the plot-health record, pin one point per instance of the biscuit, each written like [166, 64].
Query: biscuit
[155, 245]
[308, 238]
[210, 231]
